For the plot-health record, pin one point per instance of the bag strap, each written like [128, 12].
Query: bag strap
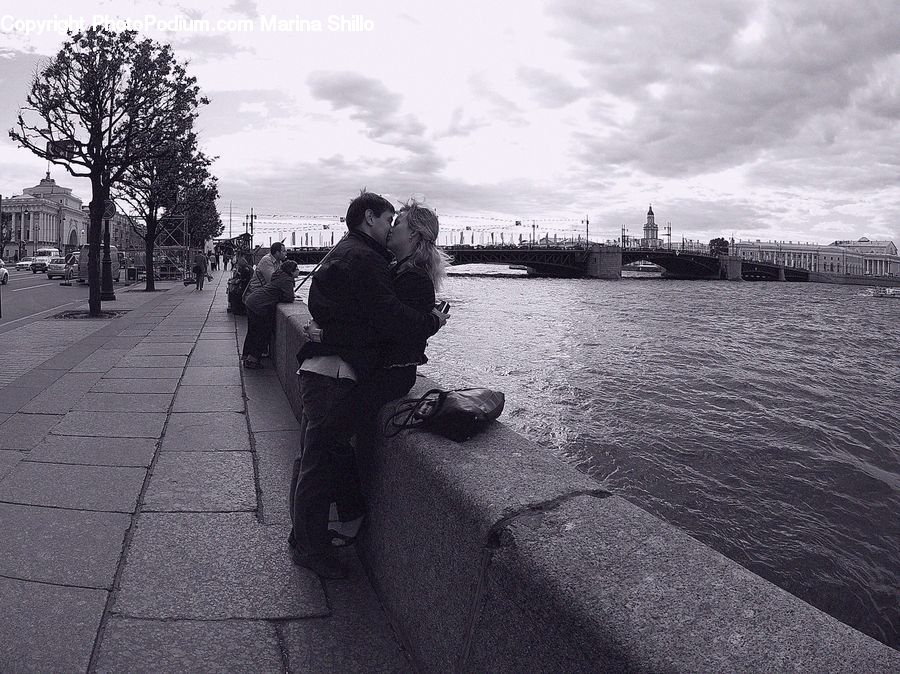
[413, 413]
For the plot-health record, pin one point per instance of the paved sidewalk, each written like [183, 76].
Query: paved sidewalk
[143, 488]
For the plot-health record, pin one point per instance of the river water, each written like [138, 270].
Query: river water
[761, 418]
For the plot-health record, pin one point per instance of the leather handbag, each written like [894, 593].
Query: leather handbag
[458, 414]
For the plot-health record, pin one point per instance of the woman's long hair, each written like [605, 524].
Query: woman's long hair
[423, 229]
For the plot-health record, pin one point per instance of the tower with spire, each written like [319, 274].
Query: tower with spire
[651, 231]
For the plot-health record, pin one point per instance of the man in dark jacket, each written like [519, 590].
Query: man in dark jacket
[353, 292]
[199, 269]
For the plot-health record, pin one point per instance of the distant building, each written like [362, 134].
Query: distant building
[50, 216]
[861, 257]
[880, 257]
[651, 232]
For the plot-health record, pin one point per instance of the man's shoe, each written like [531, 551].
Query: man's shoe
[324, 564]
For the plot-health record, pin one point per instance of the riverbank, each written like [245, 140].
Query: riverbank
[533, 565]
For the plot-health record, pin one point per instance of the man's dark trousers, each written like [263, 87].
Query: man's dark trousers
[326, 469]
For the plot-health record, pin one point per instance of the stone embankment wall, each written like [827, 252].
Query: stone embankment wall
[492, 555]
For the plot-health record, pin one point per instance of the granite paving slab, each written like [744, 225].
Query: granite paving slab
[162, 349]
[268, 407]
[172, 647]
[135, 386]
[101, 360]
[111, 424]
[225, 356]
[67, 547]
[153, 361]
[226, 566]
[94, 451]
[38, 377]
[201, 482]
[47, 628]
[144, 373]
[206, 432]
[64, 394]
[14, 398]
[169, 339]
[24, 431]
[212, 376]
[215, 347]
[356, 637]
[135, 332]
[123, 342]
[209, 399]
[213, 336]
[123, 402]
[275, 453]
[8, 460]
[108, 488]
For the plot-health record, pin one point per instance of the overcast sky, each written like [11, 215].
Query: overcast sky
[772, 120]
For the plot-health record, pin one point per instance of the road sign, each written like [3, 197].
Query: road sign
[61, 149]
[109, 209]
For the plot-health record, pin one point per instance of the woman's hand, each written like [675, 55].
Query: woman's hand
[312, 331]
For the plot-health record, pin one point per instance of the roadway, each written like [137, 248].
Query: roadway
[30, 297]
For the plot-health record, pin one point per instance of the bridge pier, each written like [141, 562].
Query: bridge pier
[730, 267]
[604, 262]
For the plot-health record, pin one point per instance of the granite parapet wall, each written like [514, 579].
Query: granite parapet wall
[493, 555]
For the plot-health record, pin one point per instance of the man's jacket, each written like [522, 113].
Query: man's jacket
[352, 293]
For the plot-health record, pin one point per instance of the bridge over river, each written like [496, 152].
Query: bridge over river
[605, 262]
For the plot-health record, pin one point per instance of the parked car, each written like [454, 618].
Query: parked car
[4, 273]
[57, 267]
[24, 264]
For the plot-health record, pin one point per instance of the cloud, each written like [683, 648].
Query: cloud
[759, 76]
[232, 111]
[377, 109]
[209, 46]
[459, 127]
[246, 7]
[549, 90]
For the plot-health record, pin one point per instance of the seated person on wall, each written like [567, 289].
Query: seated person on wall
[268, 265]
[241, 274]
[260, 305]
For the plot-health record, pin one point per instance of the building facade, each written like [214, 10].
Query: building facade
[50, 216]
[879, 257]
[651, 231]
[841, 257]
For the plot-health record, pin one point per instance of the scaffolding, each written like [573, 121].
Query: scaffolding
[172, 253]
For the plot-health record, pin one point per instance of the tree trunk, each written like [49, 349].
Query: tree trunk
[149, 240]
[95, 229]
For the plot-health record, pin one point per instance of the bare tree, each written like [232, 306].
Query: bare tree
[106, 101]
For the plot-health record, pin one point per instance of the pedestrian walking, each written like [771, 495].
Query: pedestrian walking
[199, 269]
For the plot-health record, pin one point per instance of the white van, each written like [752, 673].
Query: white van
[42, 257]
[83, 263]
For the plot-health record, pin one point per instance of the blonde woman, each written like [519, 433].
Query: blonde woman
[419, 274]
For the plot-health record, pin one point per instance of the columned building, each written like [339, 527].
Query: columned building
[880, 257]
[841, 257]
[50, 216]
